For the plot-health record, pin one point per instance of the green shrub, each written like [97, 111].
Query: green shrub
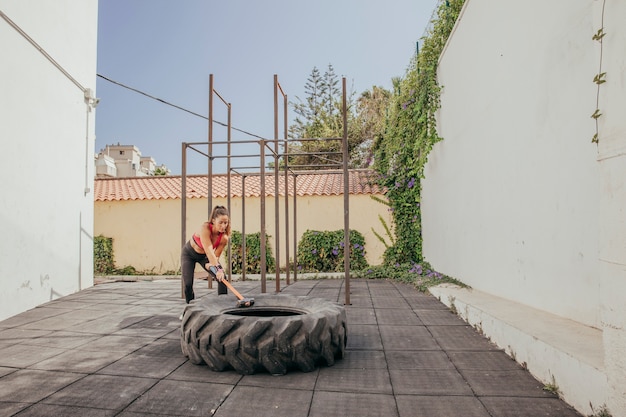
[324, 251]
[253, 253]
[103, 262]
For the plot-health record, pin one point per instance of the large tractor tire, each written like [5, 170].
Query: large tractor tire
[278, 333]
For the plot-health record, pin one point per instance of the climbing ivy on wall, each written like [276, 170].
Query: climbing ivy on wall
[411, 132]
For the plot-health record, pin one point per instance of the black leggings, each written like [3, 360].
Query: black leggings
[188, 259]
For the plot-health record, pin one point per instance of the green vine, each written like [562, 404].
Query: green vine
[103, 259]
[253, 253]
[411, 132]
[324, 251]
[599, 78]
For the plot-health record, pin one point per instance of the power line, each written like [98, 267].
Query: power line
[175, 106]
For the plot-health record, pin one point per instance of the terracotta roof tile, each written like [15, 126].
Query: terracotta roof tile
[170, 187]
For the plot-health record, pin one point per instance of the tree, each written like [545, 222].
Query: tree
[371, 110]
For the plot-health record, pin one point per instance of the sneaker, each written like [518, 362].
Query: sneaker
[181, 316]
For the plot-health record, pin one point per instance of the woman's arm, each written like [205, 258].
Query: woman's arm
[212, 255]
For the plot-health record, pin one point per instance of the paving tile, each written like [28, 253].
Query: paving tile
[354, 380]
[155, 326]
[505, 383]
[407, 338]
[102, 391]
[20, 335]
[491, 360]
[33, 315]
[363, 359]
[352, 405]
[440, 406]
[144, 365]
[429, 382]
[421, 359]
[30, 386]
[528, 407]
[265, 402]
[165, 346]
[115, 343]
[439, 318]
[364, 336]
[201, 373]
[460, 338]
[384, 291]
[5, 371]
[61, 340]
[361, 301]
[10, 408]
[83, 361]
[293, 380]
[22, 356]
[400, 317]
[425, 302]
[46, 410]
[390, 302]
[360, 316]
[55, 323]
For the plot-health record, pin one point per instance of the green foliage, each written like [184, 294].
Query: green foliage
[420, 275]
[324, 251]
[253, 253]
[103, 261]
[411, 132]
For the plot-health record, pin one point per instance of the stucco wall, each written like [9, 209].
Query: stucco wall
[149, 237]
[510, 199]
[47, 132]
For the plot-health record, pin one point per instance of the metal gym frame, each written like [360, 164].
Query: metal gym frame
[333, 167]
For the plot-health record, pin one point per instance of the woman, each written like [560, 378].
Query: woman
[205, 247]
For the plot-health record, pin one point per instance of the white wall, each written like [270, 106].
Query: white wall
[47, 134]
[510, 200]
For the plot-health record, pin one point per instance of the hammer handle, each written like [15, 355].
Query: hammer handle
[239, 296]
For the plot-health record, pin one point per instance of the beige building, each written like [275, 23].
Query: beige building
[143, 214]
[124, 161]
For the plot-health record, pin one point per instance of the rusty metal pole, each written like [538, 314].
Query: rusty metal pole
[210, 159]
[262, 231]
[228, 192]
[286, 157]
[243, 227]
[276, 188]
[346, 198]
[183, 209]
[295, 226]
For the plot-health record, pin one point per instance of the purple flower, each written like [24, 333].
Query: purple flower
[335, 252]
[314, 251]
[411, 183]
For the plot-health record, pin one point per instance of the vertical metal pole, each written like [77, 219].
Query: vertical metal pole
[276, 189]
[210, 159]
[228, 192]
[346, 199]
[243, 228]
[183, 210]
[262, 231]
[295, 232]
[286, 157]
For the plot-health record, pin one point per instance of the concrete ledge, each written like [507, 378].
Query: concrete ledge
[554, 349]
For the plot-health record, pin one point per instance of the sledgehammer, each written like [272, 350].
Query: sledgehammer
[241, 302]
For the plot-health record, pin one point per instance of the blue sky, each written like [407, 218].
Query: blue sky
[168, 49]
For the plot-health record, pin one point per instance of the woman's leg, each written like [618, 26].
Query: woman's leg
[187, 266]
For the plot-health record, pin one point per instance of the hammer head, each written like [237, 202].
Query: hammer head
[245, 302]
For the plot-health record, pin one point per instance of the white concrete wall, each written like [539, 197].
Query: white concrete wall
[517, 201]
[510, 200]
[47, 134]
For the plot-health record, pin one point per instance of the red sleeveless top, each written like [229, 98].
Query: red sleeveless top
[196, 238]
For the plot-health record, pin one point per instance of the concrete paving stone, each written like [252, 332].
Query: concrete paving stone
[6, 371]
[374, 381]
[55, 323]
[23, 356]
[173, 334]
[103, 326]
[265, 402]
[407, 338]
[362, 359]
[61, 340]
[420, 359]
[106, 307]
[439, 318]
[102, 391]
[9, 408]
[440, 406]
[126, 344]
[292, 380]
[201, 373]
[32, 316]
[48, 410]
[186, 398]
[390, 302]
[528, 407]
[460, 338]
[361, 302]
[386, 291]
[82, 361]
[484, 361]
[327, 404]
[517, 383]
[356, 315]
[154, 327]
[20, 335]
[401, 317]
[429, 382]
[31, 386]
[425, 302]
[364, 336]
[165, 346]
[144, 366]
